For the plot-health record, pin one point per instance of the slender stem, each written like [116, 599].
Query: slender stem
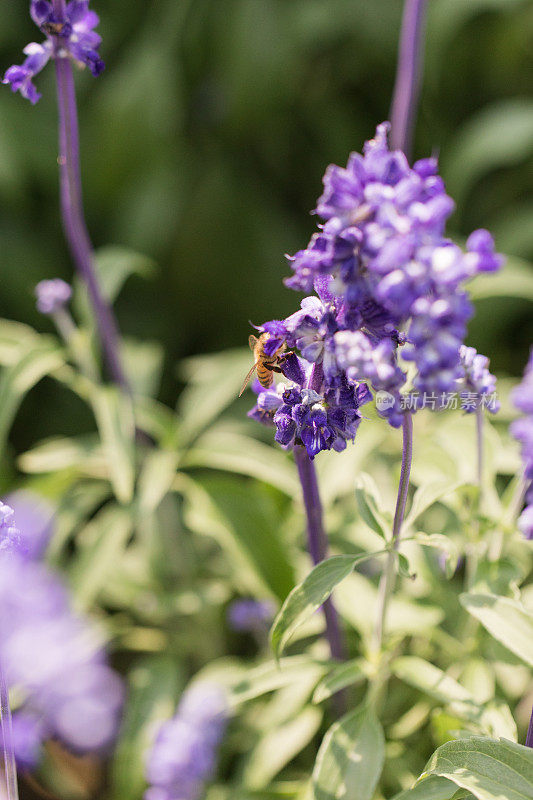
[472, 547]
[317, 541]
[72, 212]
[407, 86]
[386, 583]
[10, 766]
[529, 737]
[480, 419]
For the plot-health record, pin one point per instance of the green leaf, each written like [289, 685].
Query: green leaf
[309, 595]
[348, 674]
[152, 691]
[425, 496]
[357, 594]
[245, 520]
[114, 265]
[434, 682]
[157, 420]
[82, 454]
[368, 502]
[114, 416]
[102, 544]
[279, 746]
[230, 451]
[350, 759]
[143, 364]
[432, 788]
[15, 340]
[275, 675]
[490, 769]
[514, 280]
[445, 545]
[499, 135]
[404, 568]
[213, 383]
[156, 479]
[33, 362]
[505, 619]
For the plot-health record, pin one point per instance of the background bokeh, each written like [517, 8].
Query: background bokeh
[205, 140]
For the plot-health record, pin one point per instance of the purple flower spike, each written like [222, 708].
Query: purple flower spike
[52, 657]
[52, 295]
[69, 36]
[388, 284]
[183, 757]
[35, 518]
[478, 381]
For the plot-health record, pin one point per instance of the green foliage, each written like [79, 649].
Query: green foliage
[217, 121]
[350, 758]
[488, 769]
[309, 595]
[506, 620]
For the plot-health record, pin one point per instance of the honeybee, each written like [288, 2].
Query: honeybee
[264, 364]
[53, 28]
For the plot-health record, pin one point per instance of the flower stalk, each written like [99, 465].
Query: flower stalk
[386, 584]
[407, 86]
[317, 542]
[72, 211]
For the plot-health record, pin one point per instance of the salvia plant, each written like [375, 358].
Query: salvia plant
[166, 631]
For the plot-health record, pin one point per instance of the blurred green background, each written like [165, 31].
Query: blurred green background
[204, 143]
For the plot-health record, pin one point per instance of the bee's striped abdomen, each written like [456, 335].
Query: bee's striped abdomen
[264, 375]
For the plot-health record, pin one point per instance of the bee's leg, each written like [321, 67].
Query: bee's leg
[281, 361]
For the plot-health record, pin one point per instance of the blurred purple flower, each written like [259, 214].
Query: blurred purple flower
[69, 35]
[522, 430]
[249, 616]
[477, 378]
[52, 656]
[183, 756]
[35, 520]
[52, 295]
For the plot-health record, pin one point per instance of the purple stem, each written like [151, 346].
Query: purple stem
[529, 737]
[407, 86]
[317, 542]
[72, 211]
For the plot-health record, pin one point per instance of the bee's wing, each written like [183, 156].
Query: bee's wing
[247, 379]
[252, 341]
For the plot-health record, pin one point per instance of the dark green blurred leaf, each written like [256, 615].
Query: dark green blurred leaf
[499, 135]
[244, 519]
